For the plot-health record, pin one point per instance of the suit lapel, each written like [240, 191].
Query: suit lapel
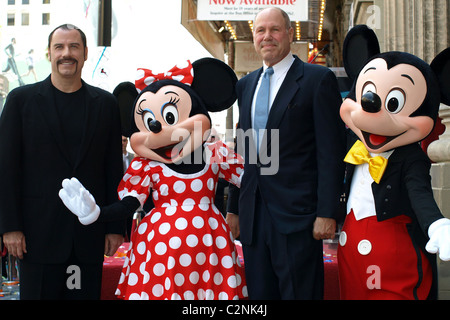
[282, 102]
[288, 89]
[247, 99]
[46, 104]
[90, 123]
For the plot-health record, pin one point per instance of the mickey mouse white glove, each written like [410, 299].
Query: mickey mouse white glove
[78, 200]
[439, 233]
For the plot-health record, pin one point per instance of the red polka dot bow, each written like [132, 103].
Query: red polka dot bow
[145, 77]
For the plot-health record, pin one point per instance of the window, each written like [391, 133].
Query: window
[25, 19]
[25, 1]
[11, 2]
[45, 1]
[11, 19]
[45, 19]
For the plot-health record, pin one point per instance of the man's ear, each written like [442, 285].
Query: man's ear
[360, 44]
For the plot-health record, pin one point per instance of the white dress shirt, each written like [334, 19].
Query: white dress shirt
[279, 73]
[361, 196]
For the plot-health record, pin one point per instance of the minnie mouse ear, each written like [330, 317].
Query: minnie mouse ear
[214, 81]
[360, 44]
[126, 94]
[441, 66]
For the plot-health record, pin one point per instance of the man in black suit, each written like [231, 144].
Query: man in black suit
[51, 130]
[290, 192]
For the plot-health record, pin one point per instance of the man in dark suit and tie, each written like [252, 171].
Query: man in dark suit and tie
[52, 130]
[290, 190]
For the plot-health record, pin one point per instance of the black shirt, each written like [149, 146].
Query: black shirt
[71, 108]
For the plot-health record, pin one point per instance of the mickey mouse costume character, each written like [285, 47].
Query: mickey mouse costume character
[183, 248]
[383, 250]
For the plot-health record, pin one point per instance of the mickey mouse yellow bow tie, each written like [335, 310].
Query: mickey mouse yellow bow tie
[358, 154]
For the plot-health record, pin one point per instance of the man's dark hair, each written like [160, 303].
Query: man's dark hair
[68, 27]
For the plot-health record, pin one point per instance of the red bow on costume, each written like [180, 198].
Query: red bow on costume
[146, 77]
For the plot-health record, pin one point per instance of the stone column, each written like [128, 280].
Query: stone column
[436, 27]
[439, 152]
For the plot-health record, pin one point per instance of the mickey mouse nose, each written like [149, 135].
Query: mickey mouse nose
[155, 126]
[371, 102]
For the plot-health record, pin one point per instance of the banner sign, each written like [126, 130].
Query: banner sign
[245, 10]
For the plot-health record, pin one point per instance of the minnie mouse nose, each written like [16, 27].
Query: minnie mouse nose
[155, 126]
[371, 102]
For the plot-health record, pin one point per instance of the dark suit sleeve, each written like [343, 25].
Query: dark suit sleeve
[331, 145]
[118, 211]
[233, 192]
[233, 199]
[10, 169]
[114, 167]
[418, 184]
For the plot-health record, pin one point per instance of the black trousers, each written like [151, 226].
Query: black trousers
[279, 266]
[71, 280]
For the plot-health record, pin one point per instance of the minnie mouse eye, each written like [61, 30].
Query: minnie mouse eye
[148, 117]
[170, 114]
[395, 101]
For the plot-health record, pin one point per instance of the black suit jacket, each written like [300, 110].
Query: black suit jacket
[34, 160]
[310, 146]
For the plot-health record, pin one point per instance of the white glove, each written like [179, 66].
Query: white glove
[439, 233]
[78, 200]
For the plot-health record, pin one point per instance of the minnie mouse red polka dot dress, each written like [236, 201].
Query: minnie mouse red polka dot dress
[183, 248]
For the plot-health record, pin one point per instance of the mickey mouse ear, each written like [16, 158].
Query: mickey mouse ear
[441, 66]
[214, 81]
[360, 44]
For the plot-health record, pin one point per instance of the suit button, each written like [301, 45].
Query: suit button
[343, 238]
[389, 187]
[364, 247]
[258, 164]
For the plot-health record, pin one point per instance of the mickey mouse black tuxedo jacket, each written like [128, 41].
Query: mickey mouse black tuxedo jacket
[310, 146]
[34, 161]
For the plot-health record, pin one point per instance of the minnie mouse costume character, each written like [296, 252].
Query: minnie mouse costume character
[392, 223]
[183, 248]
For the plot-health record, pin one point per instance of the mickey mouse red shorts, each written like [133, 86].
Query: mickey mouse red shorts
[377, 260]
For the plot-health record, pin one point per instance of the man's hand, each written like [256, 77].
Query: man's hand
[233, 222]
[112, 243]
[324, 228]
[15, 243]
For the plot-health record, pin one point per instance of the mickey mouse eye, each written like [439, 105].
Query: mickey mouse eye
[369, 87]
[395, 101]
[170, 114]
